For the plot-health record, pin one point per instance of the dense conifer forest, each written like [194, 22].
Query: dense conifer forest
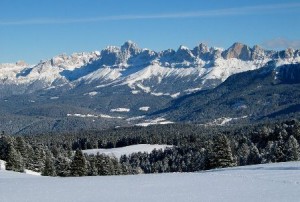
[195, 148]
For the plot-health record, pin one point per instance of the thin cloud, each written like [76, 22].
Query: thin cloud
[197, 14]
[281, 43]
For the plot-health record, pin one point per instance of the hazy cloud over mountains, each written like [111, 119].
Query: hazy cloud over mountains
[281, 43]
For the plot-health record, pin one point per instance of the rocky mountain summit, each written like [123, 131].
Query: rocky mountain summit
[121, 86]
[200, 68]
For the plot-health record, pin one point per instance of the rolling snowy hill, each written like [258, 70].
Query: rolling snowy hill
[269, 182]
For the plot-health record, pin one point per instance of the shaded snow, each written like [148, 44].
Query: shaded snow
[154, 122]
[144, 108]
[94, 116]
[2, 165]
[224, 120]
[30, 172]
[135, 118]
[120, 110]
[118, 152]
[93, 93]
[175, 95]
[261, 183]
[135, 92]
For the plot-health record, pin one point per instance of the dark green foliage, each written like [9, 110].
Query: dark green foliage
[49, 168]
[254, 155]
[78, 164]
[292, 149]
[5, 142]
[221, 154]
[195, 148]
[14, 160]
[62, 166]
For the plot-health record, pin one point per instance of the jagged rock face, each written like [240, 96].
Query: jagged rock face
[21, 63]
[239, 51]
[111, 56]
[288, 53]
[203, 52]
[183, 54]
[258, 53]
[142, 70]
[129, 49]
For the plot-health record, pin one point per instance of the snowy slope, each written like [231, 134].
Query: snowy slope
[118, 152]
[267, 183]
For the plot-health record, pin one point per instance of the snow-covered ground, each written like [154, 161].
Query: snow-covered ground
[159, 121]
[30, 172]
[120, 110]
[270, 182]
[2, 165]
[118, 152]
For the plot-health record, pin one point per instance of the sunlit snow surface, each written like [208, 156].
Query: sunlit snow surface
[118, 152]
[271, 182]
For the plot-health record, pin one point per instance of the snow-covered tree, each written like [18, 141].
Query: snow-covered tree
[14, 160]
[221, 155]
[78, 164]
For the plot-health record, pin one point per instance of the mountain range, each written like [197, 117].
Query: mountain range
[127, 85]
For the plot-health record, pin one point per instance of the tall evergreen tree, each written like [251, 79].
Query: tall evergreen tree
[78, 165]
[49, 168]
[254, 156]
[62, 166]
[14, 160]
[292, 149]
[221, 155]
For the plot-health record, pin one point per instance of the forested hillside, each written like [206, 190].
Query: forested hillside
[195, 148]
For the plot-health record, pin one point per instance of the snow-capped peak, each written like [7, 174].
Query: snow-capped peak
[167, 72]
[182, 47]
[130, 48]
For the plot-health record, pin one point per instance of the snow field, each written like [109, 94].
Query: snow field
[118, 152]
[267, 183]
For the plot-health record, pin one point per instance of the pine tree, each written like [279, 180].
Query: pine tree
[79, 164]
[254, 156]
[243, 154]
[92, 169]
[221, 155]
[62, 166]
[5, 142]
[49, 169]
[14, 160]
[292, 149]
[104, 165]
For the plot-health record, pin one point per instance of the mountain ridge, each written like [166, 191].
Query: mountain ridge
[120, 86]
[210, 65]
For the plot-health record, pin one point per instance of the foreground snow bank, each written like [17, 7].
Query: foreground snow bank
[270, 182]
[118, 152]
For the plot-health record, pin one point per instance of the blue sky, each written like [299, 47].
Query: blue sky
[31, 30]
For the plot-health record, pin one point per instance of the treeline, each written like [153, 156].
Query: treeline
[194, 148]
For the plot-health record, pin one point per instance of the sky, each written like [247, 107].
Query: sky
[32, 30]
